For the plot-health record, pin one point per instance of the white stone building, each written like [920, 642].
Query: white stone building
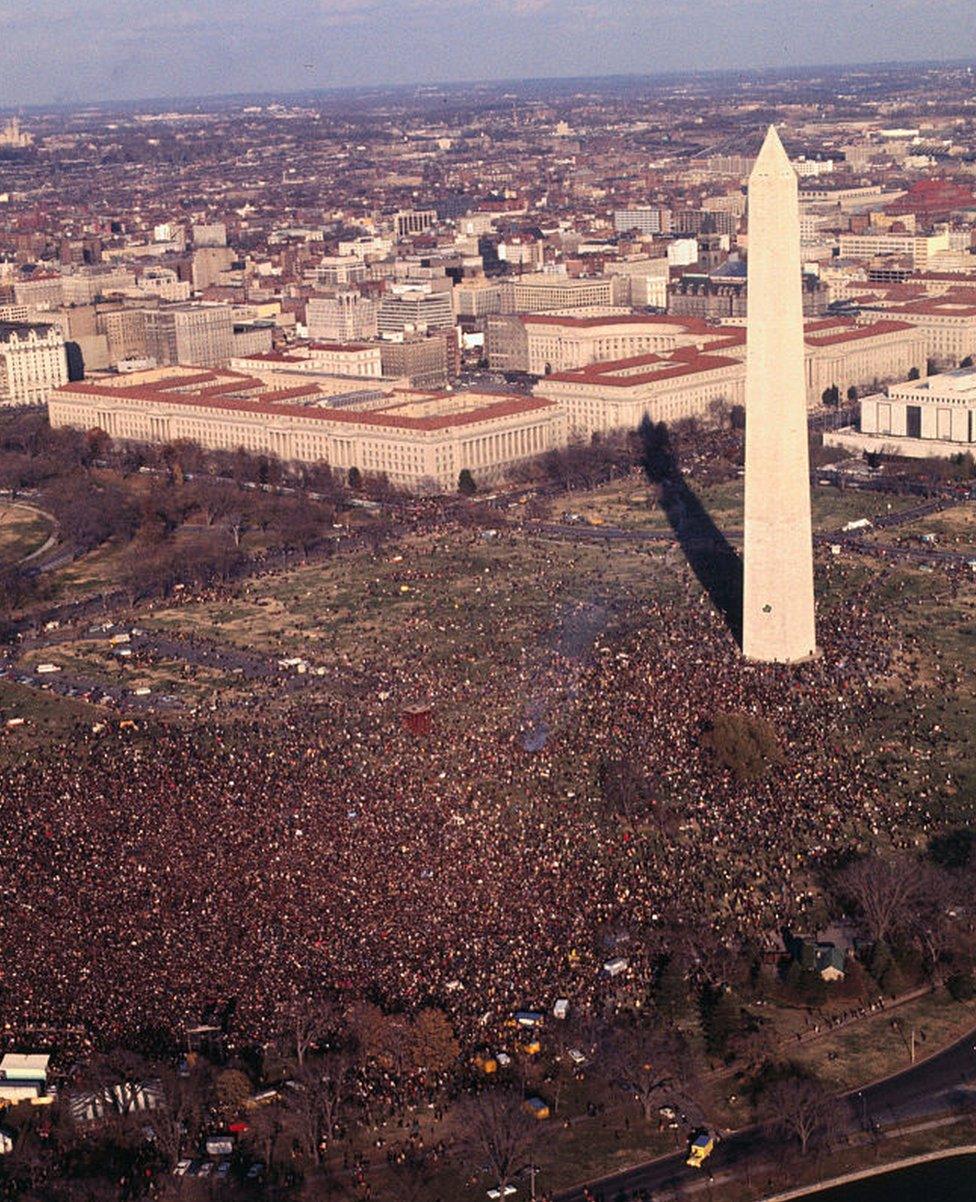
[561, 343]
[665, 388]
[947, 322]
[930, 417]
[33, 363]
[420, 441]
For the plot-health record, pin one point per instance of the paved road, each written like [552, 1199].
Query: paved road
[941, 1082]
[850, 540]
[944, 1082]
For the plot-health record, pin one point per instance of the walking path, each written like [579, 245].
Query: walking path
[879, 1170]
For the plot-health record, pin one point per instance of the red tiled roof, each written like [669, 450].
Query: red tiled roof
[945, 275]
[852, 333]
[825, 323]
[734, 336]
[497, 407]
[686, 362]
[273, 357]
[691, 325]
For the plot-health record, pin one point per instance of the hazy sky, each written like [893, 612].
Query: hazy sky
[116, 49]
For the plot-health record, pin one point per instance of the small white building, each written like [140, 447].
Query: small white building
[23, 1075]
[938, 413]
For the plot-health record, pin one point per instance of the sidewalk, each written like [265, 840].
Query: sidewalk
[881, 1169]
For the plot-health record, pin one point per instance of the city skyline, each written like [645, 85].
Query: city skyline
[134, 52]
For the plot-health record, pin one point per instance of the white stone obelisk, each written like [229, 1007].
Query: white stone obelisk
[777, 610]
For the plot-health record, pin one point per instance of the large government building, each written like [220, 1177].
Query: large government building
[542, 343]
[693, 366]
[838, 351]
[420, 441]
[618, 394]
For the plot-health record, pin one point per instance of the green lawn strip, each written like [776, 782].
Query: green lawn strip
[22, 532]
[879, 1044]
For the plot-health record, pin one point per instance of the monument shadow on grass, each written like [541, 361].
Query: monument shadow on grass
[710, 555]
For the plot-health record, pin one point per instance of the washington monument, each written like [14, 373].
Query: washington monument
[777, 604]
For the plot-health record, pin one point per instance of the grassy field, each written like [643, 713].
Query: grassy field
[47, 717]
[590, 1148]
[448, 596]
[953, 529]
[459, 598]
[630, 504]
[22, 532]
[881, 1043]
[466, 605]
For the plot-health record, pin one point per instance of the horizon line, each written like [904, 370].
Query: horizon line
[9, 108]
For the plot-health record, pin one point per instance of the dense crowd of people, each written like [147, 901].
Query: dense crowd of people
[322, 845]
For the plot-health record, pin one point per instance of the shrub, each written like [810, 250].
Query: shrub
[747, 746]
[961, 986]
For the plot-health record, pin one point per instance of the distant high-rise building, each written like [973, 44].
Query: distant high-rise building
[211, 234]
[170, 233]
[346, 316]
[41, 291]
[89, 284]
[422, 361]
[208, 263]
[646, 220]
[688, 221]
[12, 137]
[415, 308]
[540, 291]
[338, 270]
[413, 221]
[125, 331]
[477, 298]
[202, 335]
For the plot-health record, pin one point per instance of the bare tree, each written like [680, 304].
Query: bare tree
[499, 1136]
[316, 1101]
[265, 1132]
[802, 1109]
[646, 1062]
[306, 1022]
[117, 1074]
[178, 1124]
[214, 499]
[434, 1044]
[886, 892]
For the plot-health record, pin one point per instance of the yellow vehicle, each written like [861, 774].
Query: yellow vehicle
[532, 1048]
[487, 1064]
[701, 1147]
[537, 1108]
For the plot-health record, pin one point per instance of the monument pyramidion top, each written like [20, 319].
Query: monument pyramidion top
[772, 161]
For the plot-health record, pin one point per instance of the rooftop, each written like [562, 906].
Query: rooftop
[959, 383]
[23, 328]
[830, 333]
[645, 369]
[234, 391]
[687, 325]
